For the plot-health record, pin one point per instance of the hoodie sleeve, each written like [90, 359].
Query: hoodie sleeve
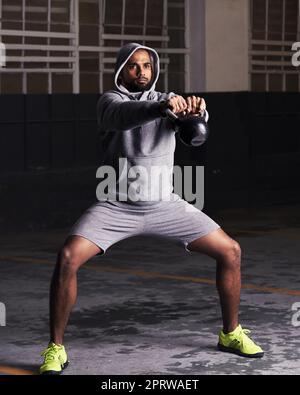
[115, 114]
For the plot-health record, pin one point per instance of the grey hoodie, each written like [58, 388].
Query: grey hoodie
[131, 127]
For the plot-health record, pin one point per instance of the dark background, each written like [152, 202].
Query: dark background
[48, 155]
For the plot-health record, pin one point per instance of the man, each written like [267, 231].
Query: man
[133, 126]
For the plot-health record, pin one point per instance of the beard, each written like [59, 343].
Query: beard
[135, 86]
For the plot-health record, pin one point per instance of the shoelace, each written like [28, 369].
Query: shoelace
[49, 353]
[248, 338]
[242, 339]
[246, 331]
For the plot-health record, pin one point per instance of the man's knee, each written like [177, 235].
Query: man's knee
[231, 254]
[68, 261]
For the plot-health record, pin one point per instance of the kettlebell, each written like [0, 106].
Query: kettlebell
[193, 130]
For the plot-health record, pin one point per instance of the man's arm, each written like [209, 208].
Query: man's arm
[115, 114]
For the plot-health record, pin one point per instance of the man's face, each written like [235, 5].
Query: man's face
[136, 75]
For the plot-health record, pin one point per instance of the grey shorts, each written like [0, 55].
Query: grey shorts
[106, 223]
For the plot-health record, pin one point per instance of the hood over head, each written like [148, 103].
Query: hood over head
[123, 56]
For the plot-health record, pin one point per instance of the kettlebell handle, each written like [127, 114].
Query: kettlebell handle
[172, 115]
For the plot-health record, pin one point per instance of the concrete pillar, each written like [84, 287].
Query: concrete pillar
[227, 45]
[219, 45]
[196, 26]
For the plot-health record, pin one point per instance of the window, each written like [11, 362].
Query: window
[56, 46]
[274, 28]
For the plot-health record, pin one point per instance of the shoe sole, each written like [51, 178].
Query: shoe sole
[54, 372]
[237, 352]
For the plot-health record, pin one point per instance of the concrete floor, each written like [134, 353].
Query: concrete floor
[148, 307]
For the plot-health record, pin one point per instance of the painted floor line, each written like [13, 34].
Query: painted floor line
[15, 371]
[158, 275]
[288, 233]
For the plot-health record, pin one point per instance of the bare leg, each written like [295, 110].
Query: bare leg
[227, 253]
[63, 291]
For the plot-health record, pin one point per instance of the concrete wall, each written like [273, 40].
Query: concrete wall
[219, 43]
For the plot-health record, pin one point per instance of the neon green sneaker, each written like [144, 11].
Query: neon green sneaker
[238, 342]
[55, 359]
